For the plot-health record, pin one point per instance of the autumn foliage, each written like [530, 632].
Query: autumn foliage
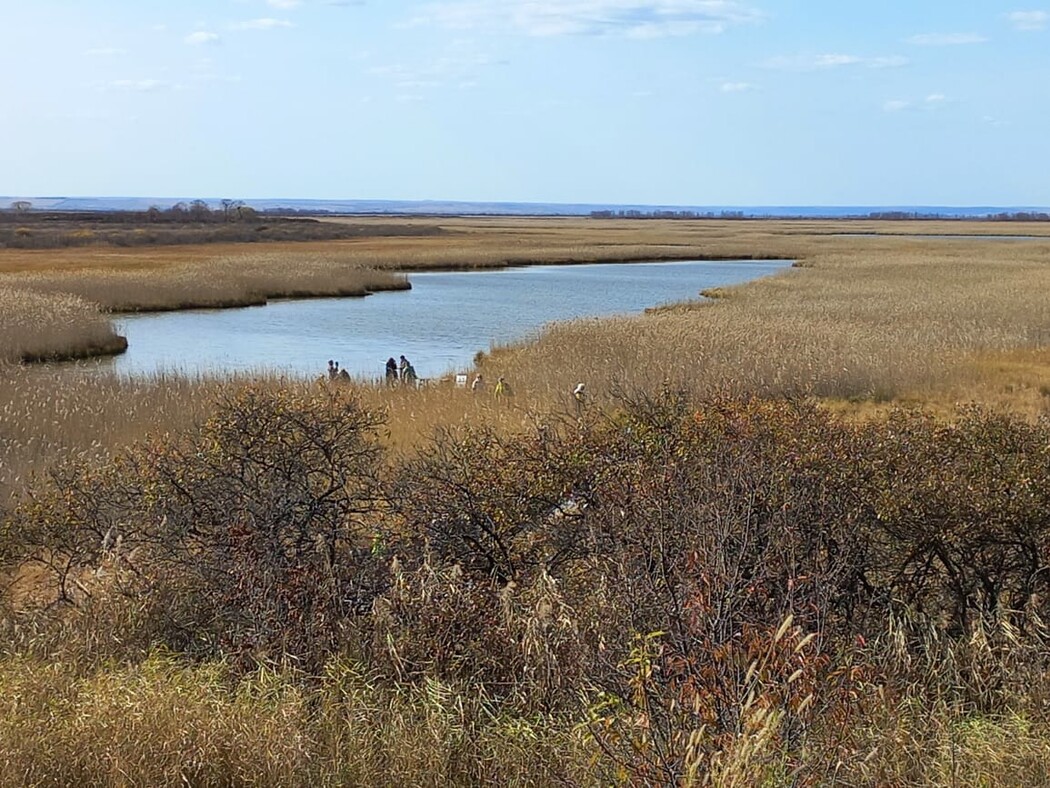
[714, 590]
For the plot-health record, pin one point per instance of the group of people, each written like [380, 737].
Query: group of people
[334, 373]
[501, 390]
[402, 372]
[395, 372]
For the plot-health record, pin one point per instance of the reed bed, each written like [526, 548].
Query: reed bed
[224, 282]
[862, 319]
[35, 326]
[873, 323]
[52, 414]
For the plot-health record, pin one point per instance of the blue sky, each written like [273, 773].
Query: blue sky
[687, 102]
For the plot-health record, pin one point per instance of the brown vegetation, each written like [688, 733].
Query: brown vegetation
[224, 282]
[301, 583]
[189, 225]
[880, 321]
[679, 592]
[37, 327]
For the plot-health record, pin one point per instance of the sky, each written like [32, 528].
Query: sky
[662, 102]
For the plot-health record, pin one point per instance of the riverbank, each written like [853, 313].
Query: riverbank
[376, 585]
[224, 275]
[862, 323]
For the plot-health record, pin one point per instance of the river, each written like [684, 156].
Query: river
[440, 324]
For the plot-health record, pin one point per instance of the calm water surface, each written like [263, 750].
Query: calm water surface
[439, 324]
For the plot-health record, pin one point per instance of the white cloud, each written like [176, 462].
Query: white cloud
[631, 18]
[946, 39]
[736, 87]
[1029, 20]
[456, 67]
[201, 38]
[140, 85]
[893, 61]
[833, 60]
[931, 102]
[263, 24]
[284, 5]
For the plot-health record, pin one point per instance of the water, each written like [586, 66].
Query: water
[440, 324]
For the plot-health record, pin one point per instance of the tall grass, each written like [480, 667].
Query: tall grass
[871, 319]
[51, 414]
[35, 326]
[874, 322]
[164, 723]
[223, 282]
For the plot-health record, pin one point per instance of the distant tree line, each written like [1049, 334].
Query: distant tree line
[200, 212]
[634, 213]
[1006, 216]
[196, 211]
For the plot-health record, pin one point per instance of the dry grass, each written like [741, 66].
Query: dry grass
[914, 743]
[863, 321]
[226, 281]
[35, 326]
[879, 321]
[51, 414]
[162, 723]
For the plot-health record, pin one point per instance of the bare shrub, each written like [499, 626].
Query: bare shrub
[264, 517]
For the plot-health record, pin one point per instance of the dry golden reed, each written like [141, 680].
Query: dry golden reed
[863, 318]
[37, 326]
[872, 321]
[226, 281]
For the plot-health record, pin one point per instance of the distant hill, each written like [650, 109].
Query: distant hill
[456, 208]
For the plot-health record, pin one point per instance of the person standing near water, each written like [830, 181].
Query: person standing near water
[391, 371]
[502, 389]
[478, 385]
[408, 373]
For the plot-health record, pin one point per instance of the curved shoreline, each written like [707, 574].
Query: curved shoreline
[120, 344]
[264, 299]
[114, 347]
[416, 268]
